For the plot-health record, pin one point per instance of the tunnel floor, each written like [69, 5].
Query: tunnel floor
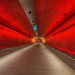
[35, 59]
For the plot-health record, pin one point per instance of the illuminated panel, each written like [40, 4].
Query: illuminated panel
[66, 25]
[10, 38]
[13, 16]
[51, 13]
[34, 39]
[64, 41]
[63, 37]
[56, 23]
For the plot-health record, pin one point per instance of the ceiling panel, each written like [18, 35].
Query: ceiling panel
[13, 16]
[51, 13]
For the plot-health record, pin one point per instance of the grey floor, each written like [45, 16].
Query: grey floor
[34, 60]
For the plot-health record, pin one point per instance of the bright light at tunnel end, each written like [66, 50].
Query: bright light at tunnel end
[34, 39]
[43, 40]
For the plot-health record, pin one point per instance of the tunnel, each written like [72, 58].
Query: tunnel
[37, 37]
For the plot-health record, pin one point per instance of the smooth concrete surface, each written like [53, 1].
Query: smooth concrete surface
[34, 60]
[68, 59]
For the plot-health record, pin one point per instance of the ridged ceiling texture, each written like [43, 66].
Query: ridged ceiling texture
[56, 23]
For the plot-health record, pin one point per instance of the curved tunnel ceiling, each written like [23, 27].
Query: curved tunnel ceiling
[55, 20]
[13, 16]
[56, 24]
[51, 14]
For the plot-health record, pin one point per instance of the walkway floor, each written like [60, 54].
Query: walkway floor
[34, 60]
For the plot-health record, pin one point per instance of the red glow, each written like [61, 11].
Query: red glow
[56, 22]
[13, 16]
[10, 38]
[50, 13]
[43, 40]
[15, 28]
[34, 39]
[64, 41]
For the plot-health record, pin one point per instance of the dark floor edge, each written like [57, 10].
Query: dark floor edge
[6, 51]
[66, 58]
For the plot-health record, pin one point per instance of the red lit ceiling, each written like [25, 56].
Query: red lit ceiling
[51, 14]
[13, 16]
[55, 20]
[56, 23]
[10, 38]
[15, 28]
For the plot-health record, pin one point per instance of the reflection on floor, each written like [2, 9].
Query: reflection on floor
[34, 60]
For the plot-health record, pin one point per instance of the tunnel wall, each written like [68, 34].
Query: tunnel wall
[15, 28]
[13, 16]
[56, 23]
[10, 38]
[63, 38]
